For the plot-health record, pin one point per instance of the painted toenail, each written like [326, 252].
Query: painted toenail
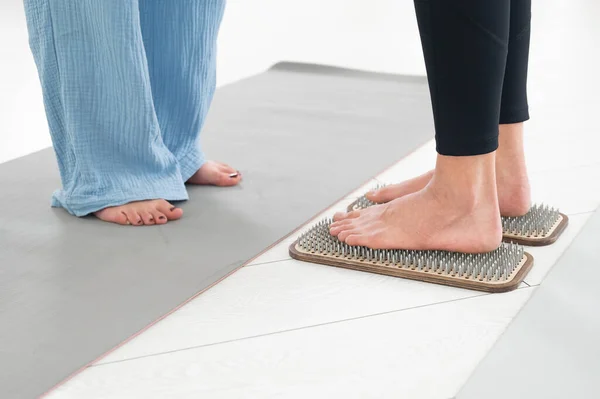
[162, 217]
[172, 209]
[234, 175]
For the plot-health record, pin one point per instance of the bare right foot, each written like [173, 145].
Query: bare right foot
[514, 191]
[140, 213]
[456, 211]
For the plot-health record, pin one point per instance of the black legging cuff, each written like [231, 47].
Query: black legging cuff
[508, 116]
[467, 146]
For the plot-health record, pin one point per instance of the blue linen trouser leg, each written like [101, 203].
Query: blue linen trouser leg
[108, 98]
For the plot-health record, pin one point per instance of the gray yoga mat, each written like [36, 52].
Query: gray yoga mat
[552, 348]
[304, 136]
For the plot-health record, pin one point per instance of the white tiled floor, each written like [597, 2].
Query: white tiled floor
[283, 296]
[425, 352]
[545, 257]
[279, 328]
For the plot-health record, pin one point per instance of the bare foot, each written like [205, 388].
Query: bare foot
[514, 191]
[453, 213]
[390, 193]
[141, 213]
[419, 221]
[216, 174]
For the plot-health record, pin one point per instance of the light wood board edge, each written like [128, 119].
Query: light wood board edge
[542, 241]
[420, 276]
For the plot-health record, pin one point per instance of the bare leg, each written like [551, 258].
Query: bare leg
[514, 192]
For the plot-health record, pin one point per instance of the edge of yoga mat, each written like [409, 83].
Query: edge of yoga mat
[284, 66]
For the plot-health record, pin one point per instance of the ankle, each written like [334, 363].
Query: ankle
[514, 191]
[466, 183]
[510, 136]
[510, 156]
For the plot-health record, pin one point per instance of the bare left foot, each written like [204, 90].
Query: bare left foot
[216, 174]
[391, 192]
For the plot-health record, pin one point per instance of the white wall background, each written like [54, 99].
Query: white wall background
[378, 35]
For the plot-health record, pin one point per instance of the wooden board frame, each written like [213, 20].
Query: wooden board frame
[460, 282]
[555, 232]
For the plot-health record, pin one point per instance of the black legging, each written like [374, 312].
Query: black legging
[476, 54]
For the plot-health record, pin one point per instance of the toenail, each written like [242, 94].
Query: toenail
[234, 175]
[172, 209]
[162, 217]
[140, 221]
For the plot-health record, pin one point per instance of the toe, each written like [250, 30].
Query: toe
[159, 217]
[169, 210]
[339, 216]
[384, 195]
[349, 215]
[374, 195]
[227, 179]
[147, 217]
[175, 213]
[340, 226]
[346, 233]
[357, 239]
[133, 217]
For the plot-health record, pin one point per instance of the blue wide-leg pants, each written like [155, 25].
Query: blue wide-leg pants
[127, 85]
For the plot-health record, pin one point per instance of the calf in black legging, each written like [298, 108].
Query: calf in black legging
[476, 54]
